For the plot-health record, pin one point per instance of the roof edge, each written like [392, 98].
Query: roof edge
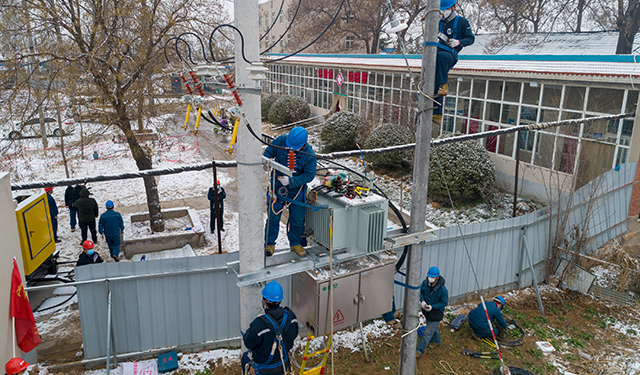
[583, 58]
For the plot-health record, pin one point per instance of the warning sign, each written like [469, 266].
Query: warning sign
[339, 79]
[338, 317]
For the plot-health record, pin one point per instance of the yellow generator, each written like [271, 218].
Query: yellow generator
[37, 244]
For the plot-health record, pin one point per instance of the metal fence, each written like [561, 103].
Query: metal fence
[195, 302]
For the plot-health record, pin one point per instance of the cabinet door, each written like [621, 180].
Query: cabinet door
[345, 307]
[376, 292]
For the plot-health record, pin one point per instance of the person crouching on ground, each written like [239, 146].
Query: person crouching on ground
[111, 226]
[16, 366]
[88, 255]
[478, 319]
[434, 297]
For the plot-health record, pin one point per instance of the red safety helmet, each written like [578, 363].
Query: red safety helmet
[217, 182]
[15, 365]
[86, 245]
[48, 189]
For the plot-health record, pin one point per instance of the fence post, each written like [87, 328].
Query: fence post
[533, 272]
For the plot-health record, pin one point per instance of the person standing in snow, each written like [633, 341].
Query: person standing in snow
[88, 255]
[284, 189]
[53, 212]
[213, 207]
[71, 195]
[270, 337]
[434, 297]
[111, 226]
[454, 33]
[87, 214]
[478, 319]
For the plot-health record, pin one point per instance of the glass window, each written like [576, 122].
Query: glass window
[449, 105]
[528, 115]
[506, 144]
[574, 98]
[493, 112]
[447, 124]
[544, 150]
[598, 130]
[512, 92]
[464, 87]
[477, 107]
[551, 96]
[479, 86]
[565, 154]
[573, 129]
[605, 100]
[461, 125]
[623, 154]
[548, 115]
[632, 102]
[495, 90]
[509, 114]
[595, 159]
[531, 94]
[463, 107]
[526, 140]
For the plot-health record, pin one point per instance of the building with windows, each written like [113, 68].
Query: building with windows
[490, 92]
[272, 25]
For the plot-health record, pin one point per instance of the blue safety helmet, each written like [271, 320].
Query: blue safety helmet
[446, 4]
[109, 204]
[500, 300]
[297, 137]
[273, 292]
[433, 272]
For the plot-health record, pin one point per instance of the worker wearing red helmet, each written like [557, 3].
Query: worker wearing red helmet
[88, 255]
[219, 207]
[16, 366]
[53, 212]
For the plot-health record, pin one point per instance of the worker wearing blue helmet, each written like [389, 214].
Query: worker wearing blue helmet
[434, 297]
[478, 319]
[454, 33]
[289, 192]
[270, 336]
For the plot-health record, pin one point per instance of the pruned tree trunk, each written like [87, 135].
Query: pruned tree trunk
[628, 25]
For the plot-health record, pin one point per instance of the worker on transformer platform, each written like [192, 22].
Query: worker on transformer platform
[289, 192]
[454, 33]
[270, 336]
[478, 319]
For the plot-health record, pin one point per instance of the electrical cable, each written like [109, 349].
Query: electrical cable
[274, 21]
[241, 41]
[313, 41]
[285, 31]
[204, 55]
[188, 49]
[175, 48]
[59, 304]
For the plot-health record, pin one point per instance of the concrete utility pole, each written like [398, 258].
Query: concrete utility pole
[250, 192]
[419, 191]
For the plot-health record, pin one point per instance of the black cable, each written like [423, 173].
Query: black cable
[214, 121]
[313, 41]
[188, 49]
[274, 22]
[175, 48]
[204, 55]
[241, 40]
[285, 31]
[59, 304]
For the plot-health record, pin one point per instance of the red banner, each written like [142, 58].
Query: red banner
[26, 331]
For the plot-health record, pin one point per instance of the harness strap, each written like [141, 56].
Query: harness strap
[278, 340]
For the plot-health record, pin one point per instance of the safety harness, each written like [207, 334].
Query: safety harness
[278, 343]
[445, 39]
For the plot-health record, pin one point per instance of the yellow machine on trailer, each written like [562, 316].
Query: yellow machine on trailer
[37, 244]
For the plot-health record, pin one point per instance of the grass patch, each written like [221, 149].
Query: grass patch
[553, 310]
[516, 352]
[592, 311]
[587, 316]
[574, 343]
[632, 332]
[602, 324]
[541, 319]
[587, 336]
[571, 357]
[550, 368]
[559, 332]
[535, 353]
[562, 318]
[528, 325]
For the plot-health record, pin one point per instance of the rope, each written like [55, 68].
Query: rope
[447, 367]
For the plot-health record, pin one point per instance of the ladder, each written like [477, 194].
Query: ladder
[318, 370]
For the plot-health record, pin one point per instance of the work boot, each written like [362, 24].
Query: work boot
[116, 258]
[437, 120]
[475, 337]
[269, 250]
[299, 250]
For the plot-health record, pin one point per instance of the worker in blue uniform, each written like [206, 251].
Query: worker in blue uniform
[289, 192]
[111, 226]
[53, 212]
[434, 297]
[270, 336]
[478, 319]
[454, 33]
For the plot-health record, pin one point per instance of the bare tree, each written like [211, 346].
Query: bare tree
[118, 43]
[628, 22]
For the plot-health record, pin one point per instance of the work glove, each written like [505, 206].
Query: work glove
[511, 326]
[423, 304]
[284, 180]
[453, 43]
[428, 308]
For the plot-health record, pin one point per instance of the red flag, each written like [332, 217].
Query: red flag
[26, 331]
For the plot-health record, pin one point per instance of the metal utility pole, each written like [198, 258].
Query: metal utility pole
[250, 191]
[419, 191]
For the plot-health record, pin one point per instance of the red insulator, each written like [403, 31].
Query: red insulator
[236, 96]
[186, 84]
[198, 86]
[229, 80]
[292, 160]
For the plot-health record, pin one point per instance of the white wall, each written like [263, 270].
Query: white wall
[10, 248]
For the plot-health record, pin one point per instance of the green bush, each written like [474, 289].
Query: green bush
[265, 104]
[341, 131]
[386, 135]
[467, 168]
[288, 109]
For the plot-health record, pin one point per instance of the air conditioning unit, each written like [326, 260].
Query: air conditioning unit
[357, 225]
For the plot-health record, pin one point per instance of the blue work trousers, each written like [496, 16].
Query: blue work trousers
[430, 334]
[73, 217]
[444, 62]
[54, 225]
[114, 244]
[296, 223]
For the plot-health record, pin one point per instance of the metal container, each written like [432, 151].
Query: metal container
[362, 290]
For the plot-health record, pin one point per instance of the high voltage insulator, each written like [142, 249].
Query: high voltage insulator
[232, 86]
